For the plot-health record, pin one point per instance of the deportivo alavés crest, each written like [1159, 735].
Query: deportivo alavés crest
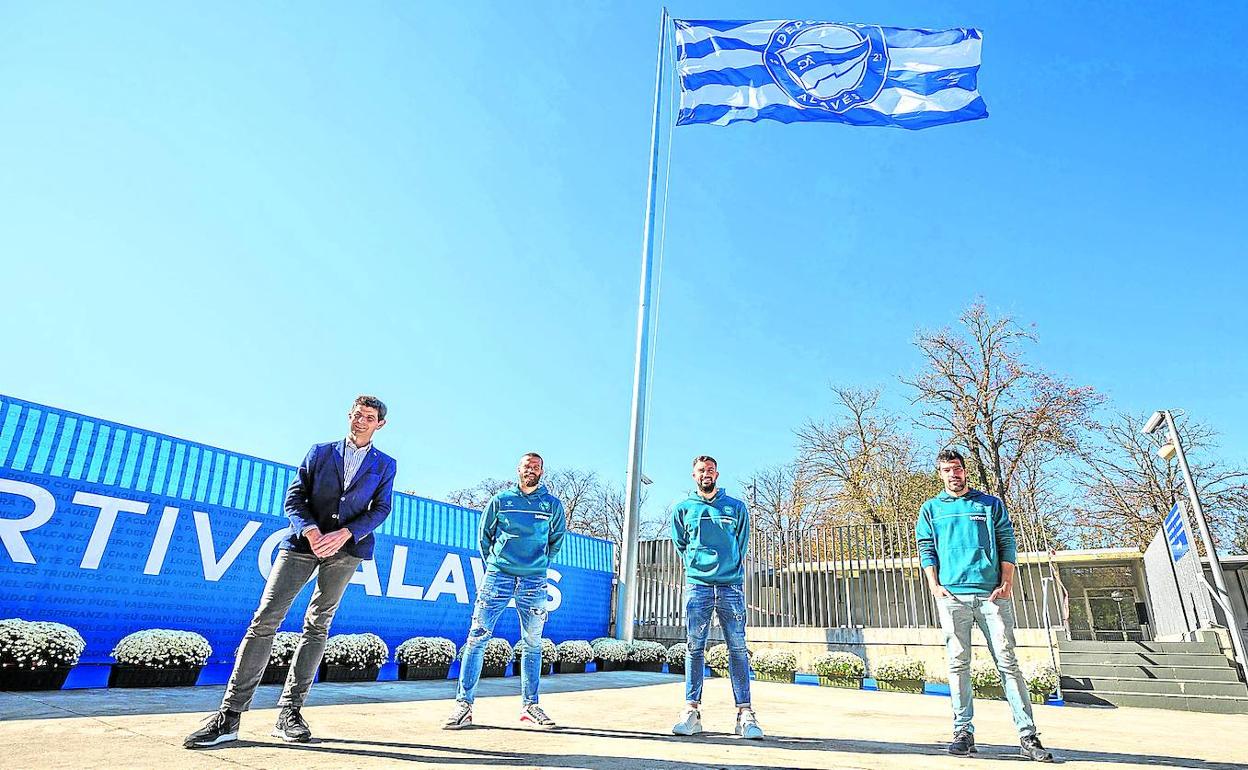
[828, 66]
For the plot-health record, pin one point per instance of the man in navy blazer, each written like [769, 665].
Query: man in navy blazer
[341, 493]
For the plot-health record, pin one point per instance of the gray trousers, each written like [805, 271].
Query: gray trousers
[291, 572]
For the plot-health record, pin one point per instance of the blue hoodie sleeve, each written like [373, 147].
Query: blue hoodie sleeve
[1007, 548]
[743, 534]
[487, 533]
[558, 528]
[925, 537]
[679, 538]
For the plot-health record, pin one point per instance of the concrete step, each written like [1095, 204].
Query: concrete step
[1146, 658]
[1199, 648]
[1189, 673]
[1218, 704]
[1154, 686]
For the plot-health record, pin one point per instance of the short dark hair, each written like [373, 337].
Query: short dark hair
[704, 459]
[372, 401]
[950, 456]
[533, 454]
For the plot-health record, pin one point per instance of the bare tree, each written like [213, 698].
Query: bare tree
[477, 496]
[578, 489]
[861, 466]
[1127, 488]
[1012, 419]
[782, 499]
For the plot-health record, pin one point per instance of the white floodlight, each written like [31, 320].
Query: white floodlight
[1167, 451]
[645, 479]
[1153, 423]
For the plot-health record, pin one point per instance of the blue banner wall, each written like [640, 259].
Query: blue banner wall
[111, 529]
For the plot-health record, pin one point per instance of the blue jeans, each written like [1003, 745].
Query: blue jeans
[493, 595]
[728, 602]
[996, 620]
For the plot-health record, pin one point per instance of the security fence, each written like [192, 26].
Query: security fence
[852, 575]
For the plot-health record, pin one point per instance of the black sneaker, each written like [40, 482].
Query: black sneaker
[963, 743]
[1032, 749]
[291, 727]
[221, 727]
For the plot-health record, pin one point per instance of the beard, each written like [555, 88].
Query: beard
[530, 480]
[706, 486]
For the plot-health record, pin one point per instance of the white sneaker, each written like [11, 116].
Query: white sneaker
[747, 725]
[533, 716]
[690, 722]
[460, 718]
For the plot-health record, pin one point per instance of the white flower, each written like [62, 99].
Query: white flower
[896, 667]
[356, 651]
[574, 651]
[550, 652]
[984, 674]
[840, 665]
[39, 644]
[611, 650]
[1041, 678]
[425, 652]
[163, 648]
[676, 654]
[646, 652]
[775, 662]
[497, 654]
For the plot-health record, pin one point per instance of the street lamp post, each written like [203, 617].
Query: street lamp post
[1175, 449]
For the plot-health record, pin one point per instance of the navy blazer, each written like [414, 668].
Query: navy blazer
[316, 498]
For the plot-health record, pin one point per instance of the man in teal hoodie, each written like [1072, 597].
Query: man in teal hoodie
[522, 529]
[711, 532]
[967, 550]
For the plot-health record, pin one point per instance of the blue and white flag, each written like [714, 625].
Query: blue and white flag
[815, 70]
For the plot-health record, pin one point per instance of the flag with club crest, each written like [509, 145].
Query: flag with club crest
[794, 71]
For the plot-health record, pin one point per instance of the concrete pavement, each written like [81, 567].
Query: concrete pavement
[612, 720]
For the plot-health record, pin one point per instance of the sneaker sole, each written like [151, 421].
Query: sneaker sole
[967, 753]
[457, 726]
[538, 725]
[205, 744]
[758, 737]
[693, 731]
[288, 739]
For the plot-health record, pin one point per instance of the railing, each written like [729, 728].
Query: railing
[855, 576]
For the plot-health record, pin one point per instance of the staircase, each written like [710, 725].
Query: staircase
[1187, 676]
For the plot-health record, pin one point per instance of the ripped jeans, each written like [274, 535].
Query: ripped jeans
[728, 602]
[493, 595]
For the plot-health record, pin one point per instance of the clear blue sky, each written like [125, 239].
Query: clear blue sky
[224, 220]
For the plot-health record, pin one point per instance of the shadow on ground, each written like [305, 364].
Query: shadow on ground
[60, 704]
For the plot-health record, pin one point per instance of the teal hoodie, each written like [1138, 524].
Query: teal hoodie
[966, 538]
[521, 534]
[711, 537]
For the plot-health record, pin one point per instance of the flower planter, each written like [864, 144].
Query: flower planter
[771, 676]
[125, 675]
[844, 682]
[611, 665]
[993, 692]
[717, 671]
[275, 674]
[414, 673]
[17, 678]
[656, 668]
[493, 671]
[569, 668]
[676, 668]
[1038, 697]
[900, 685]
[334, 673]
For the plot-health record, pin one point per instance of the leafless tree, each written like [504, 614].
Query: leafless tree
[1013, 419]
[862, 466]
[477, 496]
[1127, 488]
[782, 499]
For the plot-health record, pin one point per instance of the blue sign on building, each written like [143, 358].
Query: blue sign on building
[1175, 525]
[111, 529]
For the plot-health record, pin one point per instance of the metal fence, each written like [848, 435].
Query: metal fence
[855, 576]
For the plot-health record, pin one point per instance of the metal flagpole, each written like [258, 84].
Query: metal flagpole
[625, 597]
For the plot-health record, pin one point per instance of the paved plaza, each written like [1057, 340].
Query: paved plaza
[609, 720]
